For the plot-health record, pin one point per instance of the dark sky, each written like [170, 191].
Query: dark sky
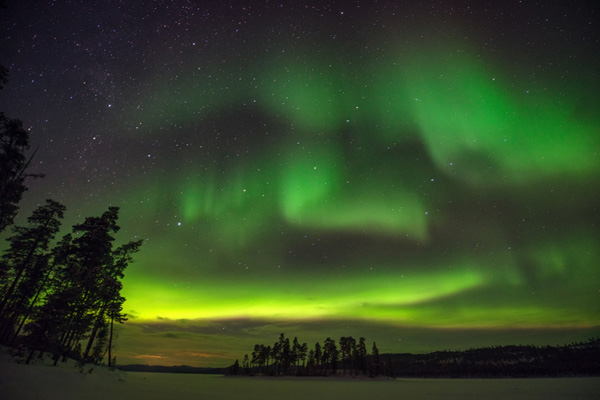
[423, 175]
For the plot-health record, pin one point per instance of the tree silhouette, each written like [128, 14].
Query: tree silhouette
[375, 369]
[322, 360]
[257, 355]
[330, 354]
[109, 301]
[276, 357]
[235, 368]
[318, 356]
[348, 349]
[295, 353]
[246, 365]
[64, 296]
[25, 265]
[83, 300]
[302, 354]
[14, 142]
[100, 346]
[114, 315]
[361, 356]
[285, 354]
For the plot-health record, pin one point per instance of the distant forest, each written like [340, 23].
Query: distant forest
[63, 300]
[351, 359]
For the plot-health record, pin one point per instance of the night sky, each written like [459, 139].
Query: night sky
[425, 176]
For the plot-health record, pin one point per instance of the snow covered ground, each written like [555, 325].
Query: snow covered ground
[18, 381]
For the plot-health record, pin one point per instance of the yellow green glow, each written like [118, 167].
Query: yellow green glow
[429, 190]
[371, 297]
[402, 301]
[334, 171]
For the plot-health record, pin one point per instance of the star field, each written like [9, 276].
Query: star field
[423, 175]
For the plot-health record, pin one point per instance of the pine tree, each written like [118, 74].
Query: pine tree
[285, 351]
[84, 296]
[347, 347]
[294, 353]
[375, 369]
[14, 142]
[26, 264]
[90, 255]
[256, 355]
[101, 346]
[109, 300]
[276, 357]
[310, 364]
[318, 356]
[114, 315]
[50, 315]
[330, 354]
[235, 368]
[246, 365]
[361, 356]
[303, 353]
[266, 355]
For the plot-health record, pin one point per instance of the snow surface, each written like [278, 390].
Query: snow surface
[39, 381]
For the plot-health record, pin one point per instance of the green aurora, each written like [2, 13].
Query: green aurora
[424, 195]
[267, 223]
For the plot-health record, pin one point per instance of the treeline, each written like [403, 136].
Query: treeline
[285, 358]
[350, 358]
[576, 359]
[62, 299]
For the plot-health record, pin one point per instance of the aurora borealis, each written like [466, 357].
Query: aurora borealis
[426, 176]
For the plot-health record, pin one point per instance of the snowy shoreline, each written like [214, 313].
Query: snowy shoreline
[42, 381]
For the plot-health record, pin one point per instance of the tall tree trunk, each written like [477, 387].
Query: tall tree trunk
[267, 366]
[112, 319]
[8, 295]
[32, 303]
[24, 264]
[62, 350]
[71, 344]
[95, 329]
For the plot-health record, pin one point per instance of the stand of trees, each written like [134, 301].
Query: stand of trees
[285, 358]
[576, 359]
[62, 300]
[351, 359]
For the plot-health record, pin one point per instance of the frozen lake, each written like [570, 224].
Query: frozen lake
[217, 387]
[45, 382]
